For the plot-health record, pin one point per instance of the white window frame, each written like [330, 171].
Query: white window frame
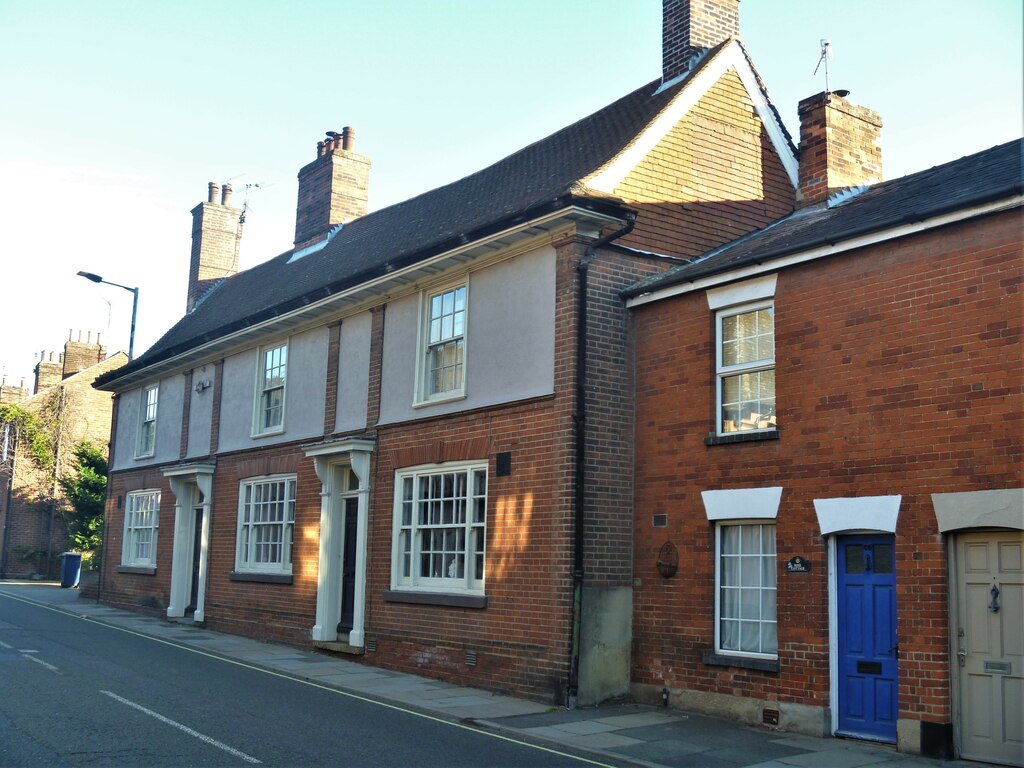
[406, 541]
[722, 371]
[145, 444]
[767, 564]
[141, 525]
[262, 390]
[246, 543]
[424, 377]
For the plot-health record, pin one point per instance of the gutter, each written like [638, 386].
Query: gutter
[579, 420]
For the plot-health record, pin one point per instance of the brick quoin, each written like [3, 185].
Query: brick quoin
[898, 372]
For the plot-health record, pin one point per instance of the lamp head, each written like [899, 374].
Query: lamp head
[91, 276]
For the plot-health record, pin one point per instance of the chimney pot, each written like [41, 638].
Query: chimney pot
[332, 190]
[216, 238]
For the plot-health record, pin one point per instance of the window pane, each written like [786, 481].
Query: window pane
[854, 558]
[730, 539]
[883, 558]
[730, 604]
[750, 636]
[730, 571]
[730, 635]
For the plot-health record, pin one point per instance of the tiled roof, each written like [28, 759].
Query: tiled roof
[537, 179]
[970, 181]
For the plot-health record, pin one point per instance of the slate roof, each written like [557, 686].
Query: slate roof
[984, 177]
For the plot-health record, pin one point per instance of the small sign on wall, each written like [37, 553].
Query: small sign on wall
[798, 565]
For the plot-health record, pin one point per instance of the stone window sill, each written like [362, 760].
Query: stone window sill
[713, 659]
[435, 598]
[742, 437]
[137, 569]
[266, 578]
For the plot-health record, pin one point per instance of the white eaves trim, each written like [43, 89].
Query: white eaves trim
[774, 265]
[731, 57]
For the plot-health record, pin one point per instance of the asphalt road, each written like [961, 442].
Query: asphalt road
[78, 693]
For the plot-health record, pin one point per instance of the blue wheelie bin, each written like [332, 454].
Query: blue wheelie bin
[70, 569]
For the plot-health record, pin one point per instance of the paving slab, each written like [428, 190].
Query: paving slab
[639, 719]
[610, 740]
[583, 727]
[837, 758]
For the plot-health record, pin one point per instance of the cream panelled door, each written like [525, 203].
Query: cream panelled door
[990, 646]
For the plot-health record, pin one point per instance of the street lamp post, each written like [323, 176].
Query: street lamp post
[135, 306]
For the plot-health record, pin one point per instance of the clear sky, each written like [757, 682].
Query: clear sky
[114, 115]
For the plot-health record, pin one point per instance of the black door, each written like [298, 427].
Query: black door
[197, 548]
[348, 566]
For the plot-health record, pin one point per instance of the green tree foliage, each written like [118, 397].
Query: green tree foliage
[36, 434]
[86, 491]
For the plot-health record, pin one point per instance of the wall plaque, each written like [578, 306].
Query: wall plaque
[798, 565]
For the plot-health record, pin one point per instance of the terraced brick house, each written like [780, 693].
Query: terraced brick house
[410, 436]
[33, 532]
[829, 504]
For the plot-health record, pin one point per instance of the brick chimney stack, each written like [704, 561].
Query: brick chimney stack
[79, 355]
[840, 147]
[10, 394]
[333, 189]
[48, 372]
[691, 27]
[216, 239]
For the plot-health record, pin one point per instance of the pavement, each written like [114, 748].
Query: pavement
[619, 734]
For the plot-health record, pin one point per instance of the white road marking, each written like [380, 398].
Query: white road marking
[5, 645]
[336, 691]
[184, 728]
[27, 650]
[41, 663]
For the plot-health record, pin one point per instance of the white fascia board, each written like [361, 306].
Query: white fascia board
[774, 265]
[731, 57]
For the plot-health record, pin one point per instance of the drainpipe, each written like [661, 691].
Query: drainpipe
[12, 431]
[580, 433]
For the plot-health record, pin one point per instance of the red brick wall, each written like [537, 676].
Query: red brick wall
[898, 371]
[608, 516]
[522, 635]
[137, 591]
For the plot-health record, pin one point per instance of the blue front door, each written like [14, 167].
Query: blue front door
[867, 637]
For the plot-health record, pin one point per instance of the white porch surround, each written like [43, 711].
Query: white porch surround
[327, 458]
[184, 479]
[999, 508]
[866, 513]
[742, 503]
